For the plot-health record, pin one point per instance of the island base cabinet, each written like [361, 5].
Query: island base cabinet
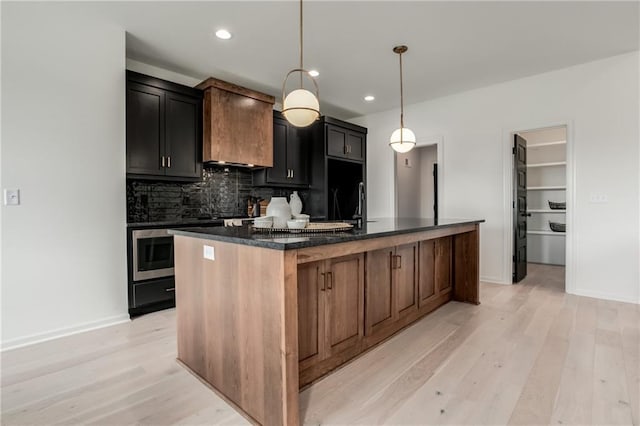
[391, 286]
[330, 308]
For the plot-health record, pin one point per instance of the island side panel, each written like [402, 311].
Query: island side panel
[237, 324]
[466, 265]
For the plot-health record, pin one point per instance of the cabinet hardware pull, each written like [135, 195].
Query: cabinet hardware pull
[346, 149]
[163, 161]
[349, 149]
[169, 161]
[170, 289]
[330, 275]
[399, 261]
[292, 173]
[324, 281]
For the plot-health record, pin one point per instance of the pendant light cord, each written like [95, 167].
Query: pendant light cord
[401, 103]
[301, 42]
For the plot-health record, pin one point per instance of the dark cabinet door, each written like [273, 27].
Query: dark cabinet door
[380, 304]
[406, 279]
[355, 146]
[336, 141]
[182, 143]
[297, 158]
[344, 322]
[145, 129]
[279, 173]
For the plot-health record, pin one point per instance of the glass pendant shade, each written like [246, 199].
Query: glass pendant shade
[301, 108]
[402, 140]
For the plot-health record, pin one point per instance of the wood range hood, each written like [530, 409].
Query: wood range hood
[238, 124]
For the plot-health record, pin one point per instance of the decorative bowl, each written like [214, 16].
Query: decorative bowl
[263, 222]
[297, 224]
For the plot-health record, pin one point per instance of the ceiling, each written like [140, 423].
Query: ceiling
[453, 46]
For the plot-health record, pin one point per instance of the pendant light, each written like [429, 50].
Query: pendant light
[300, 107]
[402, 140]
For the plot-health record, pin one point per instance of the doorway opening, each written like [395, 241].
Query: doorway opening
[540, 205]
[417, 182]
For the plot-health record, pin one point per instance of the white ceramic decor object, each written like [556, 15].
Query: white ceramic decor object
[279, 209]
[296, 203]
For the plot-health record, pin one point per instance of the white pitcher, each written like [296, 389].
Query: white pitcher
[280, 210]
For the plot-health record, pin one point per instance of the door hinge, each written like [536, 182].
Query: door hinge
[513, 204]
[513, 150]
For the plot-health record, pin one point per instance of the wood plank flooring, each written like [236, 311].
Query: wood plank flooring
[529, 354]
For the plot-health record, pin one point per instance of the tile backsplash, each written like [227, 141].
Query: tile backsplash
[223, 192]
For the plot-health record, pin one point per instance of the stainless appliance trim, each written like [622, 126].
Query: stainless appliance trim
[155, 273]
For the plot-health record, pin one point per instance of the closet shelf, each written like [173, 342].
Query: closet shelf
[546, 211]
[557, 234]
[546, 188]
[558, 163]
[538, 145]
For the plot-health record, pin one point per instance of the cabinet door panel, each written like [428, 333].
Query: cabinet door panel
[378, 290]
[355, 142]
[279, 172]
[310, 314]
[426, 281]
[336, 141]
[183, 145]
[443, 265]
[297, 159]
[145, 129]
[406, 277]
[345, 303]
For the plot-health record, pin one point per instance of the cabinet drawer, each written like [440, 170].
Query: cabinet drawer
[153, 292]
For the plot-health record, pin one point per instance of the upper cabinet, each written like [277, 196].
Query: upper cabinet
[345, 142]
[290, 156]
[164, 129]
[238, 124]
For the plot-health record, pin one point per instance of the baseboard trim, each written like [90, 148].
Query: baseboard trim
[604, 296]
[492, 280]
[62, 332]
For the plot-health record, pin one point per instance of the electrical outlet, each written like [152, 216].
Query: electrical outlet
[209, 253]
[598, 198]
[11, 197]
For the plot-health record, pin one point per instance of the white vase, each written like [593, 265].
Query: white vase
[280, 210]
[296, 203]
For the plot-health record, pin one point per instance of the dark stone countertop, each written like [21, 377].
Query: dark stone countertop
[374, 228]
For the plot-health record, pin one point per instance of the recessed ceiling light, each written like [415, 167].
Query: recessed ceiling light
[223, 34]
[369, 98]
[314, 73]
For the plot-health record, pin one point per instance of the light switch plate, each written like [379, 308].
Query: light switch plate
[11, 197]
[209, 253]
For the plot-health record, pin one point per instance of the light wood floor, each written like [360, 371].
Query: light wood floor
[529, 354]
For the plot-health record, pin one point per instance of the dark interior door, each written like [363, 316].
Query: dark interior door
[520, 209]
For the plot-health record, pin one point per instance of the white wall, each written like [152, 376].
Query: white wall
[63, 146]
[599, 103]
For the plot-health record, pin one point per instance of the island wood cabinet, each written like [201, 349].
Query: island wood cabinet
[238, 124]
[331, 301]
[391, 285]
[164, 129]
[259, 344]
[435, 269]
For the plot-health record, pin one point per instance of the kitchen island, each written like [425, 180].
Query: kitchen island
[261, 315]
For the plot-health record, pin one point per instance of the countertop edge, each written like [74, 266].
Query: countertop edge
[274, 245]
